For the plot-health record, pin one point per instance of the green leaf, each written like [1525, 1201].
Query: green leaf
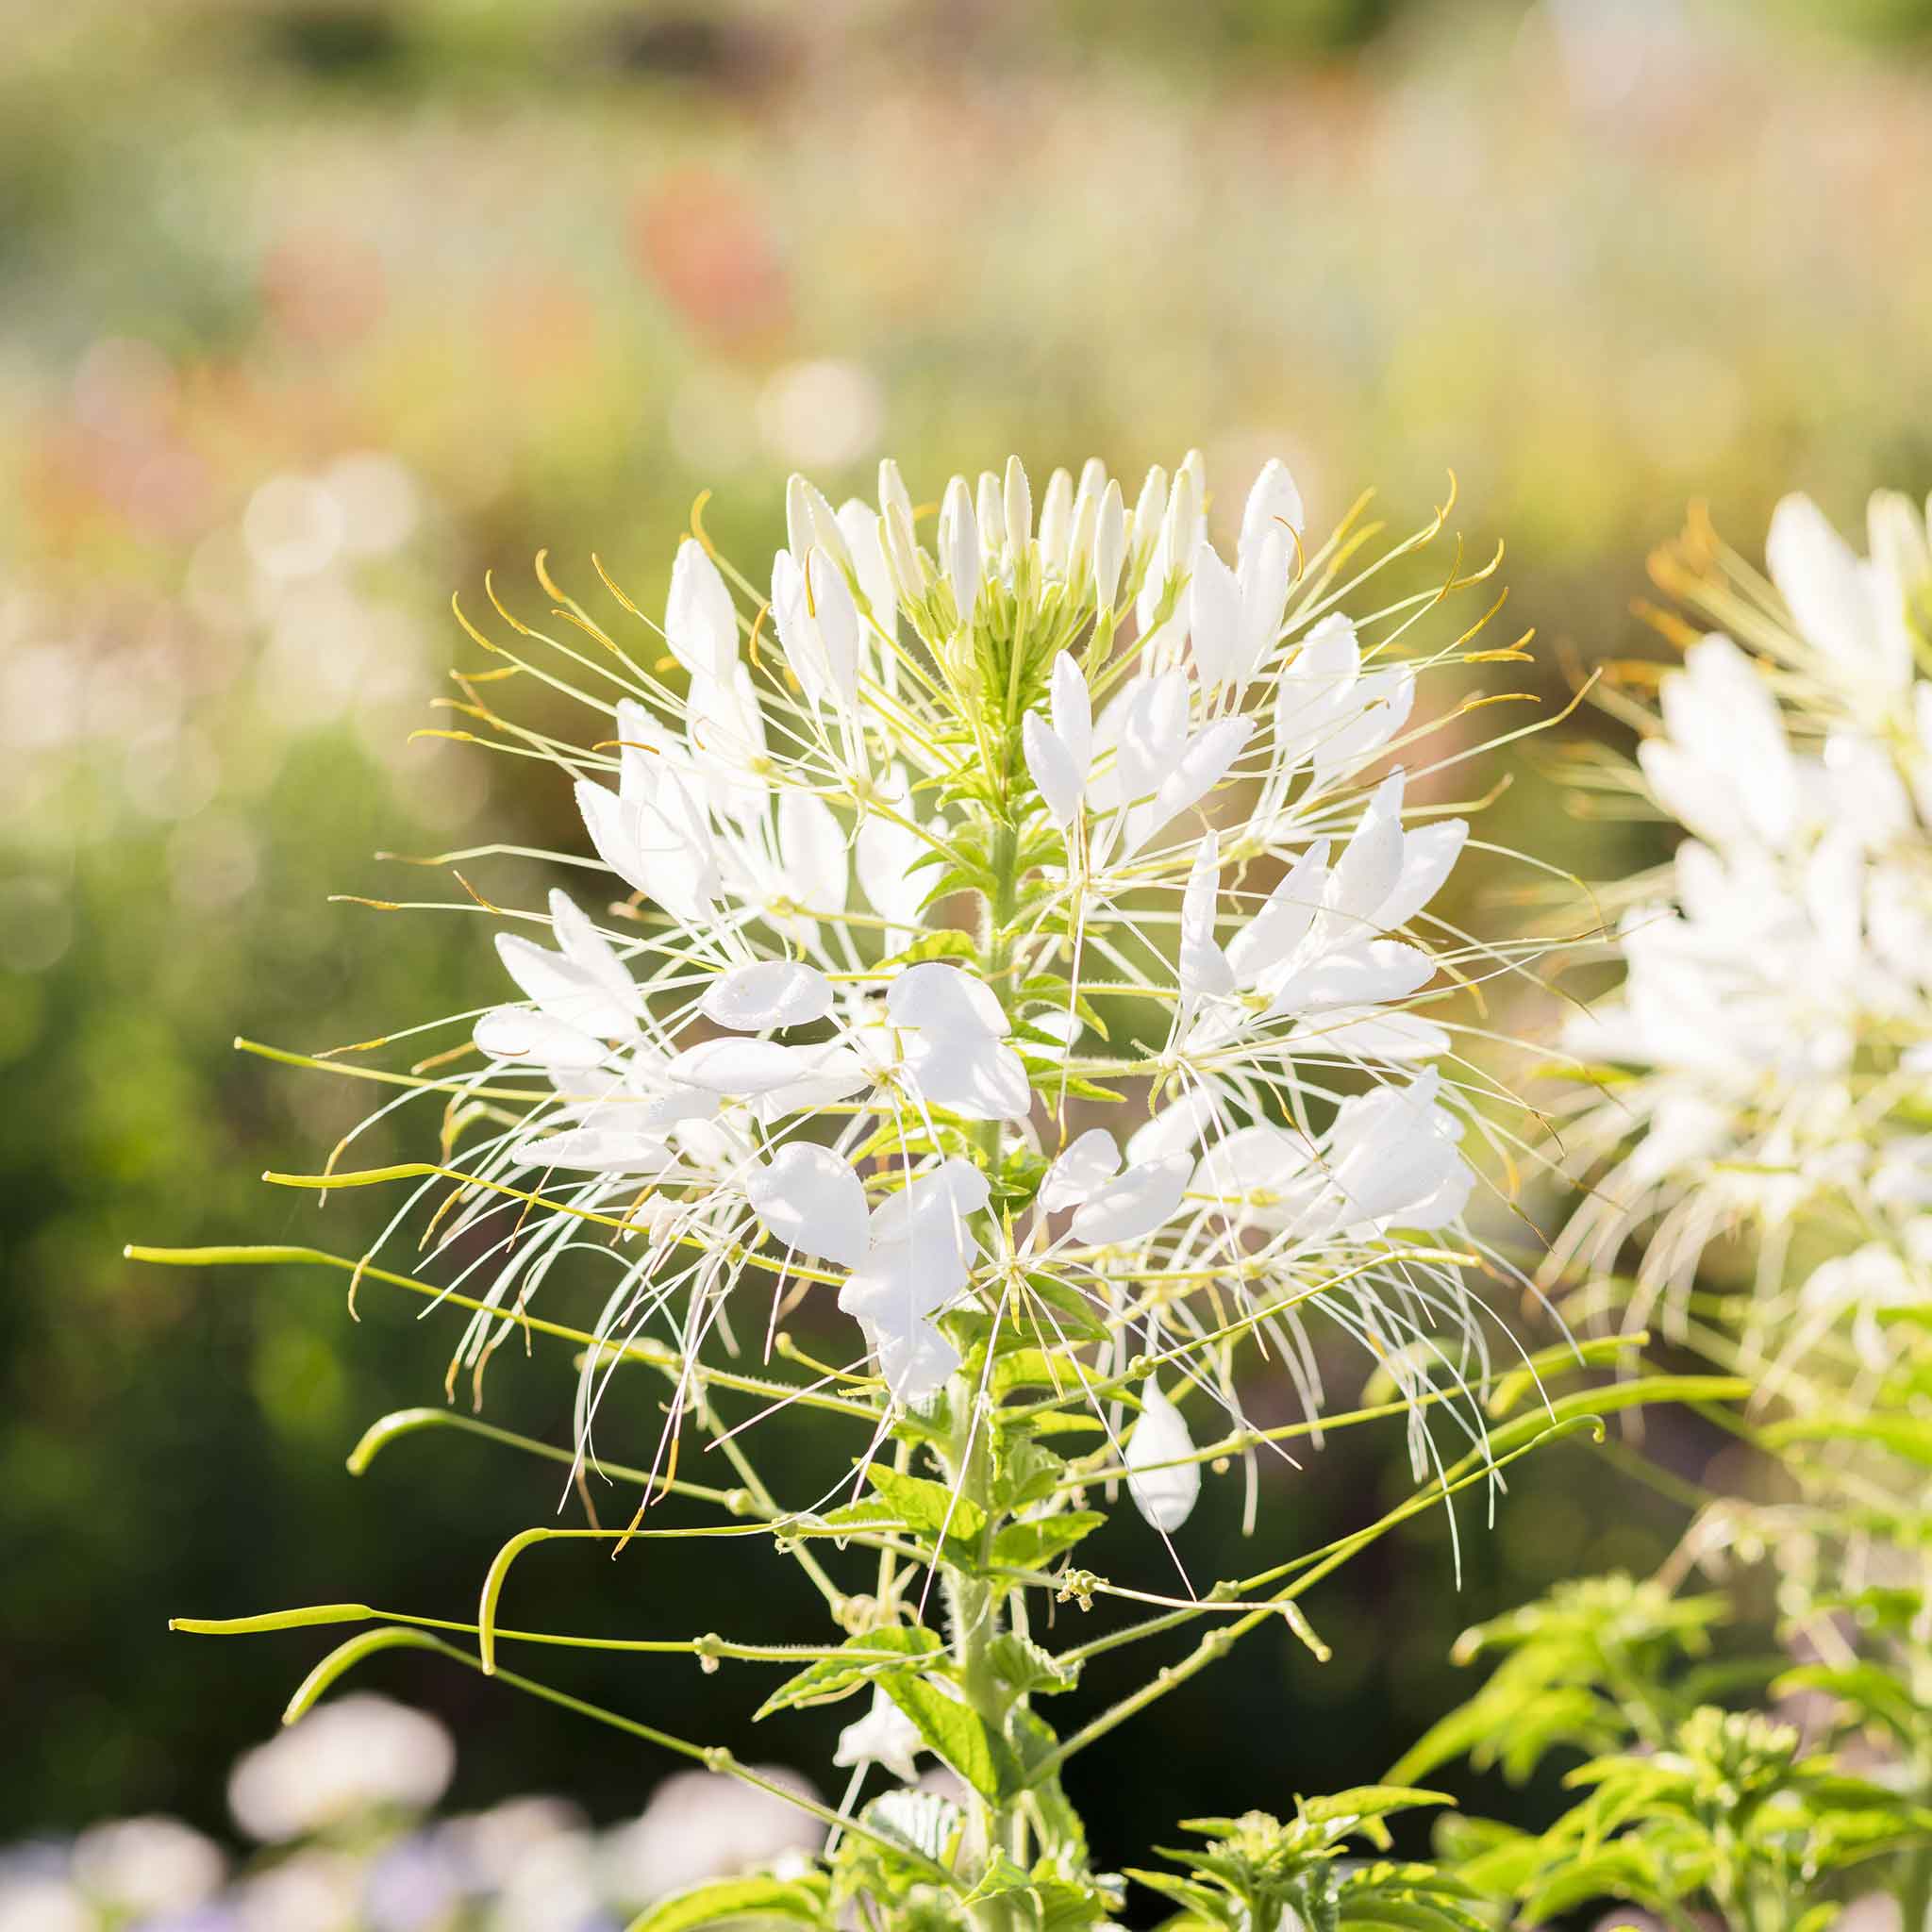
[1034, 1741]
[957, 1734]
[1028, 1545]
[1369, 1801]
[1068, 1315]
[946, 943]
[927, 1507]
[799, 1901]
[1026, 1472]
[861, 1659]
[1021, 1663]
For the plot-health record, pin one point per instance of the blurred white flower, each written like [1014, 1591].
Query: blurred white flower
[1765, 1052]
[697, 1826]
[147, 1866]
[346, 1759]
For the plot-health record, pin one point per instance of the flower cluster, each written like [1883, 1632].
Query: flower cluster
[935, 849]
[1027, 951]
[1767, 1065]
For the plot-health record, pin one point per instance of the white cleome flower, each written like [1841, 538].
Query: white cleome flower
[1766, 1054]
[884, 1735]
[355, 1757]
[876, 854]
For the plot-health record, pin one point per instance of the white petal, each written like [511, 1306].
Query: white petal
[738, 1067]
[1371, 863]
[828, 1073]
[1153, 732]
[1265, 570]
[772, 992]
[1214, 618]
[971, 1073]
[1088, 1164]
[1198, 769]
[1821, 579]
[812, 1199]
[812, 849]
[515, 1033]
[1377, 708]
[1428, 855]
[1165, 1497]
[1071, 707]
[1205, 972]
[859, 522]
[934, 1207]
[1254, 1167]
[1136, 1204]
[1274, 505]
[1284, 919]
[799, 640]
[1177, 1126]
[1051, 767]
[1368, 976]
[883, 855]
[829, 603]
[884, 1735]
[1351, 1037]
[700, 621]
[915, 1361]
[935, 997]
[617, 1149]
[584, 986]
[809, 520]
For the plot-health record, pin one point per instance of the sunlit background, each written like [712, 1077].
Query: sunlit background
[311, 313]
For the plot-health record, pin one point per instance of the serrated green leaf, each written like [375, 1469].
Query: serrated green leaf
[1022, 1664]
[1027, 1545]
[860, 1660]
[956, 1734]
[930, 1508]
[1024, 1471]
[1370, 1801]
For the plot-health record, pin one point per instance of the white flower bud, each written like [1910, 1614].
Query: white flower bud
[1017, 502]
[959, 547]
[1110, 547]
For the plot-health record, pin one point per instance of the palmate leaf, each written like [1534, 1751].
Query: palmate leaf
[743, 1902]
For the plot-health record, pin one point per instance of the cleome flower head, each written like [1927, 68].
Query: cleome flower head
[1023, 920]
[1770, 1055]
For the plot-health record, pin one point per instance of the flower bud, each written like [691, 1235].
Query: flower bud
[1056, 524]
[1109, 546]
[959, 547]
[1018, 504]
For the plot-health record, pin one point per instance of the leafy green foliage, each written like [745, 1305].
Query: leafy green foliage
[1588, 1666]
[1259, 1875]
[1730, 1814]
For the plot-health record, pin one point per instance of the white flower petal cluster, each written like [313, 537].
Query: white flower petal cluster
[349, 1758]
[1772, 1044]
[892, 836]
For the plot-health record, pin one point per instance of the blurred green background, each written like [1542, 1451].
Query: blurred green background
[312, 313]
